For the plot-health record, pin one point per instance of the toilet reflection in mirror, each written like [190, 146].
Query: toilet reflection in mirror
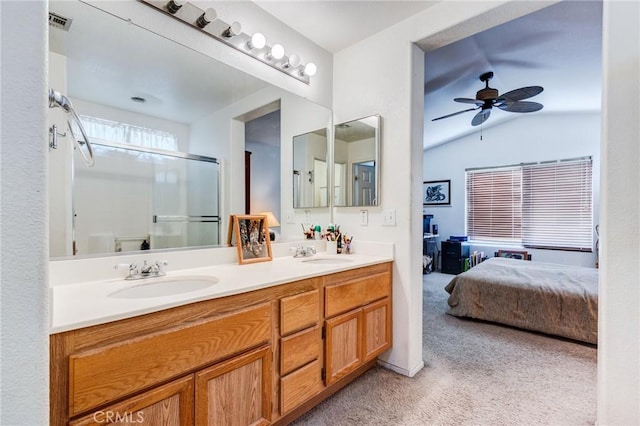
[357, 163]
[310, 173]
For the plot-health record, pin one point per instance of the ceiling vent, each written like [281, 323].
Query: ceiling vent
[60, 22]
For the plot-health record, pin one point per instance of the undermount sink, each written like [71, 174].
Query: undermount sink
[160, 287]
[328, 260]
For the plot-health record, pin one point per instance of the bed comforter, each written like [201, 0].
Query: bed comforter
[554, 299]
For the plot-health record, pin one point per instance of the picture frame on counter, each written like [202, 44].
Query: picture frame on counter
[252, 238]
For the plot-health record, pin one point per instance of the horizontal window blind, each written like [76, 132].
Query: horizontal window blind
[113, 131]
[494, 200]
[557, 205]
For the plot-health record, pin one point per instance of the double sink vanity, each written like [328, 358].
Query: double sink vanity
[226, 344]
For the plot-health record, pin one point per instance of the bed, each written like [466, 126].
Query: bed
[546, 297]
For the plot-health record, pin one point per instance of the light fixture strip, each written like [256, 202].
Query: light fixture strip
[189, 15]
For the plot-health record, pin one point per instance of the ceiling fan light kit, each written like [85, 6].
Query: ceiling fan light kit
[488, 97]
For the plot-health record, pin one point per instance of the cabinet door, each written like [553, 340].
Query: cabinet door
[343, 348]
[168, 405]
[376, 328]
[236, 392]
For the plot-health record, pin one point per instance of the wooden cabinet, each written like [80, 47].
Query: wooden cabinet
[376, 328]
[211, 345]
[343, 348]
[168, 405]
[358, 319]
[257, 358]
[236, 392]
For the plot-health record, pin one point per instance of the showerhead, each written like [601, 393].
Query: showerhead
[56, 99]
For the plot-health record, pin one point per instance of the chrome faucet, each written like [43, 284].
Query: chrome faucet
[146, 271]
[304, 251]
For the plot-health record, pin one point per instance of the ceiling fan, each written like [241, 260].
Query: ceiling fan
[487, 98]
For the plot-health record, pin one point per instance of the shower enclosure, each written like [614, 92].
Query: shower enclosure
[138, 198]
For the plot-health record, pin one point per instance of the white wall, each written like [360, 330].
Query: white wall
[528, 138]
[24, 297]
[619, 304]
[384, 74]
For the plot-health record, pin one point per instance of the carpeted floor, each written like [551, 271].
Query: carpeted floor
[475, 374]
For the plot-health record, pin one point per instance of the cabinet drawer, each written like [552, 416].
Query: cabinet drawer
[352, 294]
[299, 311]
[299, 386]
[104, 374]
[299, 349]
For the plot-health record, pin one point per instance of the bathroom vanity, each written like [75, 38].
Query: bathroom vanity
[255, 356]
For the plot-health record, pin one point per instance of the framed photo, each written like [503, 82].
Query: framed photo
[252, 238]
[436, 193]
[513, 254]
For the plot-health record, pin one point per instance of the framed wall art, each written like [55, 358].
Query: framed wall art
[252, 238]
[436, 193]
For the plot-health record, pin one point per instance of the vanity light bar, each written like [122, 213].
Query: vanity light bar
[231, 35]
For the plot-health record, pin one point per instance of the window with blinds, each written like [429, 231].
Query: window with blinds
[546, 205]
[557, 205]
[494, 204]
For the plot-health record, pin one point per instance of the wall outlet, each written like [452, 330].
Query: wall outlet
[364, 217]
[389, 217]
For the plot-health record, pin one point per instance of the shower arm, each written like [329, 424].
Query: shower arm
[56, 99]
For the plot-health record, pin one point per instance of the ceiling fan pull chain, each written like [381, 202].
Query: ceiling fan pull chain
[481, 132]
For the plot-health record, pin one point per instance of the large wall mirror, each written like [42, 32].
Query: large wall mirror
[168, 125]
[310, 177]
[356, 161]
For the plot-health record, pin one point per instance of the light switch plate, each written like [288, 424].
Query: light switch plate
[291, 217]
[389, 217]
[364, 217]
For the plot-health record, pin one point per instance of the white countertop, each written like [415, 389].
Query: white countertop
[83, 304]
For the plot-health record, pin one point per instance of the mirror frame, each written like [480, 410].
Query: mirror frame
[377, 160]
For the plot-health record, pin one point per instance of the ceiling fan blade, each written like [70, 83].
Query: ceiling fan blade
[521, 106]
[469, 101]
[520, 94]
[481, 117]
[455, 113]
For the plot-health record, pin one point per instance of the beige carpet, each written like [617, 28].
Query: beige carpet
[476, 374]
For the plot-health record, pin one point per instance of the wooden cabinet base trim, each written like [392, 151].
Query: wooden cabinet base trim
[326, 393]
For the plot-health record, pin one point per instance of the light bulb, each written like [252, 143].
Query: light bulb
[233, 30]
[258, 41]
[174, 5]
[277, 52]
[207, 17]
[310, 69]
[293, 62]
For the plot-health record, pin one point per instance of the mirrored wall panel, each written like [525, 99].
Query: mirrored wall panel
[310, 177]
[356, 163]
[139, 94]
